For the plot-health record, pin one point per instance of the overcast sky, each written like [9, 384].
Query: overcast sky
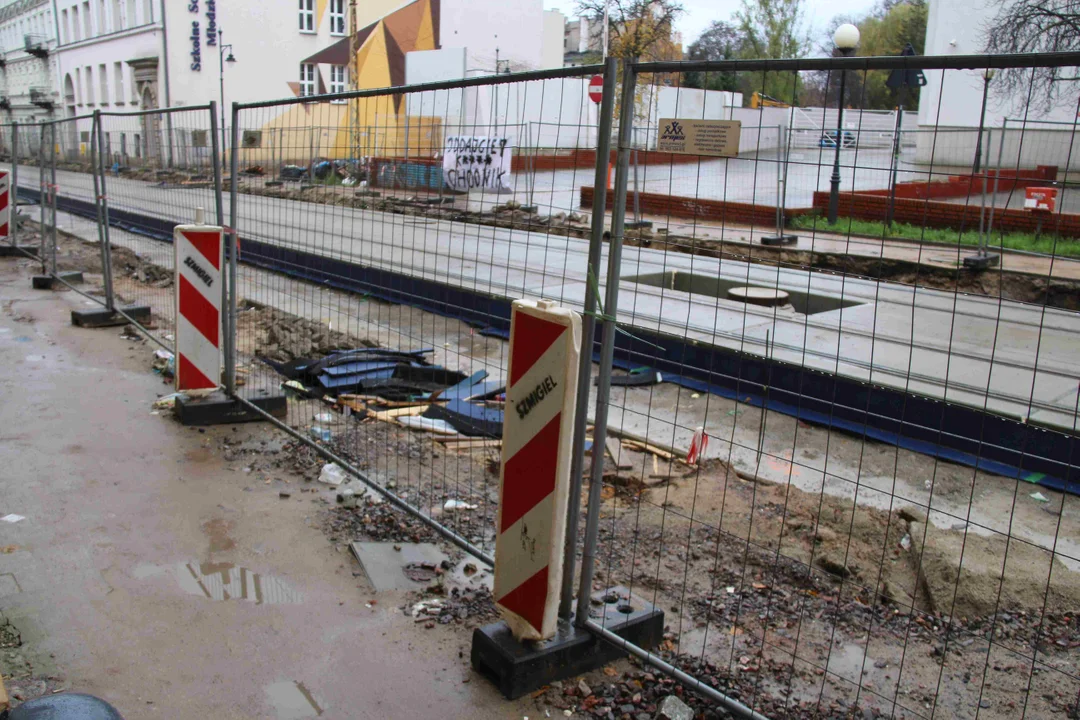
[699, 13]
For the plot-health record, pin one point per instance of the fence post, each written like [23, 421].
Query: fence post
[607, 347]
[14, 193]
[588, 331]
[106, 251]
[52, 195]
[104, 202]
[219, 219]
[231, 243]
[42, 199]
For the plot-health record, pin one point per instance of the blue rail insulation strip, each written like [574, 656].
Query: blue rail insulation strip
[957, 433]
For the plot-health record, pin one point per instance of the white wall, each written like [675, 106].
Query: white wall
[540, 113]
[24, 70]
[512, 27]
[551, 45]
[953, 98]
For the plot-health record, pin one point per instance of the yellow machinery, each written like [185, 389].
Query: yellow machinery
[759, 100]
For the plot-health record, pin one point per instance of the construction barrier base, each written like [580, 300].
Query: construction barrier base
[18, 250]
[46, 282]
[219, 409]
[519, 668]
[775, 240]
[982, 262]
[103, 317]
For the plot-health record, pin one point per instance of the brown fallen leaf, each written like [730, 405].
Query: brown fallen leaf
[8, 549]
[735, 631]
[760, 586]
[611, 672]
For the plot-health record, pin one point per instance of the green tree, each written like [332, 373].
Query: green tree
[885, 30]
[720, 41]
[772, 29]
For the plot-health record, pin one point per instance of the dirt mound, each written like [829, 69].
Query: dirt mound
[281, 336]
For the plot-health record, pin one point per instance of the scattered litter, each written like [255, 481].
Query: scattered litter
[12, 518]
[458, 505]
[638, 377]
[698, 444]
[422, 423]
[695, 396]
[730, 589]
[293, 385]
[8, 549]
[332, 474]
[1040, 497]
[321, 433]
[469, 418]
[324, 418]
[425, 607]
[164, 363]
[905, 542]
[169, 338]
[167, 402]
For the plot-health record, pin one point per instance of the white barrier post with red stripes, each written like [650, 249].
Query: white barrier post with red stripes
[5, 205]
[199, 259]
[538, 426]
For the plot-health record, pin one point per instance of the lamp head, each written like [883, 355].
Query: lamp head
[846, 37]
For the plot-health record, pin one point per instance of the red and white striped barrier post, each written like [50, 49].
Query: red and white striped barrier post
[545, 343]
[5, 205]
[198, 306]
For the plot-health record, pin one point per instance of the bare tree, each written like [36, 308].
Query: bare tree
[641, 29]
[1035, 26]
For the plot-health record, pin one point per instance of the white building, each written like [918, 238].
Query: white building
[952, 100]
[28, 62]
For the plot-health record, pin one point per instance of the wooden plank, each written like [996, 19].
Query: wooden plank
[646, 447]
[452, 443]
[4, 703]
[388, 415]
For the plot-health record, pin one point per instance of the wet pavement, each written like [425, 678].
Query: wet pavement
[154, 573]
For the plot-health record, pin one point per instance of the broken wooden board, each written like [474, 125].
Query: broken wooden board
[468, 443]
[389, 415]
[646, 447]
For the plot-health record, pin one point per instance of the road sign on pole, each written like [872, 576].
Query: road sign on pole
[539, 421]
[198, 303]
[911, 77]
[596, 88]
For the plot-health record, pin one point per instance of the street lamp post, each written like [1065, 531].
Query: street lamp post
[846, 39]
[221, 79]
[987, 76]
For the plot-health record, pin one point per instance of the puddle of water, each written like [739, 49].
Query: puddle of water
[292, 701]
[224, 581]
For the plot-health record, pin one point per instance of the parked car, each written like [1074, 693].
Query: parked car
[828, 139]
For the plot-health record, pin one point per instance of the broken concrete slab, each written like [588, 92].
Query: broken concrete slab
[397, 566]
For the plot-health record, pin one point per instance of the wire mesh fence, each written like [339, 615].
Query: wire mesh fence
[155, 169]
[872, 525]
[398, 223]
[842, 467]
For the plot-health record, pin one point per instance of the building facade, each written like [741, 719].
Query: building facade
[28, 61]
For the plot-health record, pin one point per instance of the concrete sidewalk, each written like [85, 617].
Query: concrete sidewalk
[116, 500]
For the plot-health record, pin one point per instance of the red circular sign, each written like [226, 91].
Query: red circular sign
[596, 88]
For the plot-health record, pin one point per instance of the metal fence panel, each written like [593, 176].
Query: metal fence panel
[405, 221]
[155, 169]
[882, 521]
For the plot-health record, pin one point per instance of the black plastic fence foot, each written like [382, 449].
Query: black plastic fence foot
[520, 668]
[18, 250]
[219, 409]
[42, 282]
[774, 240]
[982, 262]
[103, 317]
[73, 277]
[638, 225]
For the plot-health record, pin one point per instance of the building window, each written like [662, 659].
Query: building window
[307, 79]
[64, 36]
[129, 14]
[307, 15]
[78, 87]
[337, 17]
[103, 78]
[102, 25]
[89, 86]
[87, 32]
[337, 80]
[118, 81]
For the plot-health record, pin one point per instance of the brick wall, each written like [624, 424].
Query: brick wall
[937, 214]
[691, 208]
[965, 185]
